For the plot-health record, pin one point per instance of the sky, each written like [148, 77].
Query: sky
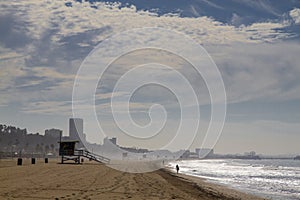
[254, 44]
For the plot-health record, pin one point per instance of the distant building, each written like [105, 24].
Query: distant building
[193, 155]
[113, 140]
[134, 149]
[251, 153]
[204, 153]
[110, 140]
[185, 154]
[75, 128]
[55, 133]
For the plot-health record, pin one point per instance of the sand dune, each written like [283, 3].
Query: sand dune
[97, 181]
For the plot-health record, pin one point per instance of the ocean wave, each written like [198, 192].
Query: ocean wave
[279, 179]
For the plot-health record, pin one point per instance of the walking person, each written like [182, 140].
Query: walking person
[177, 168]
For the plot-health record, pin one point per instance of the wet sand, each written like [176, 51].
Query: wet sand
[96, 181]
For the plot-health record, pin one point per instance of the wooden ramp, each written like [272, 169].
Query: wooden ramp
[91, 156]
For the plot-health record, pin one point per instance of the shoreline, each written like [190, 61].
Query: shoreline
[97, 181]
[213, 190]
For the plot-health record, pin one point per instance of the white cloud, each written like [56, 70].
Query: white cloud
[81, 17]
[295, 14]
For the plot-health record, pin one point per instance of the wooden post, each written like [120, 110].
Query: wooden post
[19, 161]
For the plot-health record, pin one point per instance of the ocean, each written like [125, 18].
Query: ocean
[272, 179]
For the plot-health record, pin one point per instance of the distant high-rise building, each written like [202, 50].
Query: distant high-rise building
[76, 128]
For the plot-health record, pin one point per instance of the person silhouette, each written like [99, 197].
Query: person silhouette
[177, 168]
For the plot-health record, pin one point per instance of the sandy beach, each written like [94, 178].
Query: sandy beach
[96, 181]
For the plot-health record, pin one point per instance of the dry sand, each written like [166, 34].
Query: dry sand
[96, 181]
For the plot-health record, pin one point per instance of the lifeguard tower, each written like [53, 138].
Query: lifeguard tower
[67, 151]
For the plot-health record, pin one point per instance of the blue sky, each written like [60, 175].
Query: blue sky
[255, 45]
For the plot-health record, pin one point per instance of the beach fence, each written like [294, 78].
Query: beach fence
[33, 157]
[33, 161]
